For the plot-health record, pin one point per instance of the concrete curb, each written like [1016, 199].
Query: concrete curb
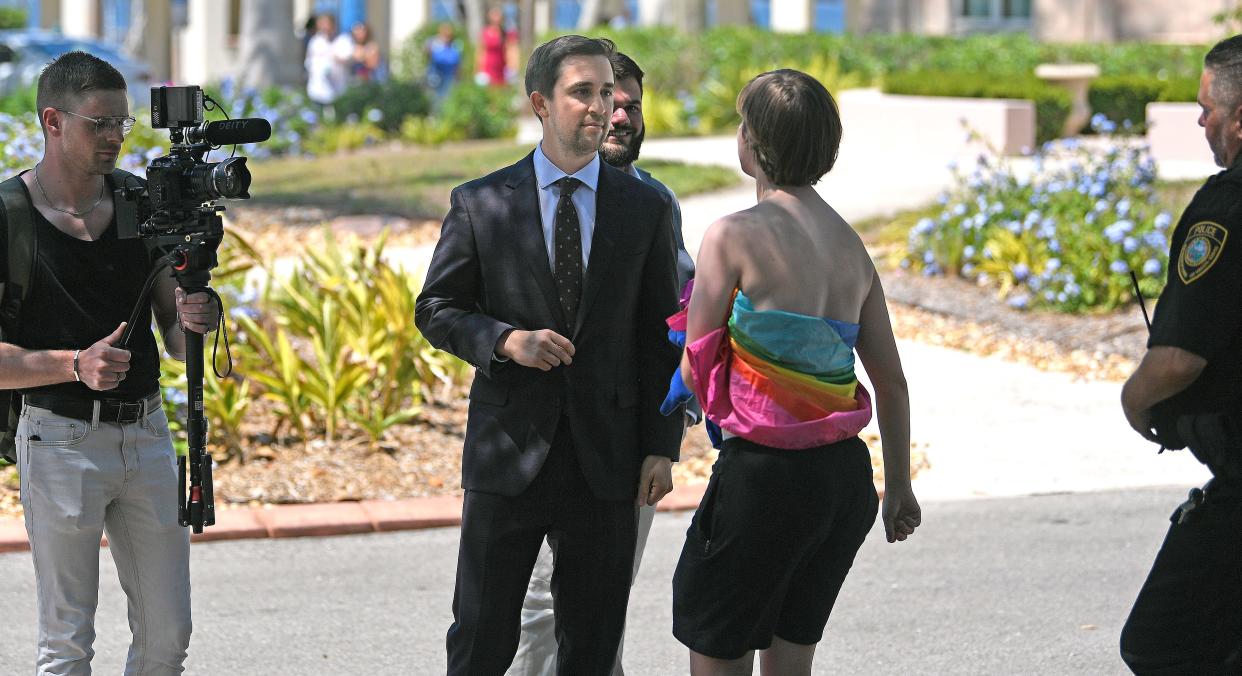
[337, 518]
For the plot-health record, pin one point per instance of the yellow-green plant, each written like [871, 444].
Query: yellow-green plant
[225, 404]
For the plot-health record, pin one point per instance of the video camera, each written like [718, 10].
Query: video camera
[182, 184]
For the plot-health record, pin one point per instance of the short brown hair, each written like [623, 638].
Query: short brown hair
[544, 66]
[792, 125]
[73, 75]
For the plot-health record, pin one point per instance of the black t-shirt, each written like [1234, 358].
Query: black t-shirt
[1200, 310]
[80, 293]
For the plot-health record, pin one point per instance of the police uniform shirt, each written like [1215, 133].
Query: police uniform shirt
[1200, 310]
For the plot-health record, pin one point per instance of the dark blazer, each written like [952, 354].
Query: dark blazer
[490, 273]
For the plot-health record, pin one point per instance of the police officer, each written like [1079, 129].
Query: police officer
[1187, 393]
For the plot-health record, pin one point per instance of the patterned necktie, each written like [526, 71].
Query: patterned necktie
[567, 240]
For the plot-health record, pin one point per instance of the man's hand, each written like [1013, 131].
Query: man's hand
[901, 513]
[102, 366]
[655, 479]
[198, 312]
[544, 349]
[1140, 421]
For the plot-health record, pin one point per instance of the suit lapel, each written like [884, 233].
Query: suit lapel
[527, 232]
[603, 241]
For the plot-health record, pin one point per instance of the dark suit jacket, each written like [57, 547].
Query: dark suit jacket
[490, 273]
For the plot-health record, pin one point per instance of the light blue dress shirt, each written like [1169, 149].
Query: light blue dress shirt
[546, 174]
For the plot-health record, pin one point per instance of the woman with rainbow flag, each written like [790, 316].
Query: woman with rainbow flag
[784, 294]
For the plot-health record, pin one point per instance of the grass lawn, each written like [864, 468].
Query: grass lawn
[415, 182]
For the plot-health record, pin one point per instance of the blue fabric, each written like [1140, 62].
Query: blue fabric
[678, 394]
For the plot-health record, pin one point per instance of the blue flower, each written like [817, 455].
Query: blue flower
[1129, 245]
[1019, 302]
[1152, 267]
[1021, 272]
[1052, 265]
[924, 226]
[929, 257]
[1118, 267]
[968, 270]
[1155, 239]
[1123, 207]
[1163, 220]
[1118, 230]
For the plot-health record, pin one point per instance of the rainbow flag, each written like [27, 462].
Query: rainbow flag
[776, 378]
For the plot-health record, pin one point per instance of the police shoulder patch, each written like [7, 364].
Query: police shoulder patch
[1201, 249]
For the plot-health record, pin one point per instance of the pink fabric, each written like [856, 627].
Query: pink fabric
[737, 407]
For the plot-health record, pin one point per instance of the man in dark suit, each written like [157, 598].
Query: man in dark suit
[536, 653]
[553, 277]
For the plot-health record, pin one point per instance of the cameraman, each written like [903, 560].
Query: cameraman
[93, 445]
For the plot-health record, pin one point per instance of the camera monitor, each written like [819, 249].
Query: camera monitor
[173, 107]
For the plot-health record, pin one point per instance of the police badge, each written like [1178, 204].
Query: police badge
[1201, 250]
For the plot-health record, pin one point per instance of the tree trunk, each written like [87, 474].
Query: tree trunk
[475, 12]
[690, 15]
[269, 50]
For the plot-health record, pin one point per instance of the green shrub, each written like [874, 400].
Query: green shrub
[19, 102]
[386, 105]
[1122, 98]
[677, 62]
[472, 111]
[340, 138]
[1182, 89]
[12, 17]
[1052, 104]
[331, 346]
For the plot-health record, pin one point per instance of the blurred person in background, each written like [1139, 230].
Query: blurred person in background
[496, 50]
[328, 57]
[444, 52]
[366, 64]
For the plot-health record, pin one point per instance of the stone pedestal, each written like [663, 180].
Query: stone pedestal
[1076, 79]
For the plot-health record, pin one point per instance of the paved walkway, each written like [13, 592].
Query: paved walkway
[1032, 585]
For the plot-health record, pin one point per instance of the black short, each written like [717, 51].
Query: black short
[770, 545]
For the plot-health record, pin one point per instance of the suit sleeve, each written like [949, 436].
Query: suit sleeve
[447, 309]
[657, 357]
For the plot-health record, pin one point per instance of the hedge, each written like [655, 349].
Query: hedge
[1052, 104]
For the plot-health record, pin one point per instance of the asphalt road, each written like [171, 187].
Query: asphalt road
[1028, 585]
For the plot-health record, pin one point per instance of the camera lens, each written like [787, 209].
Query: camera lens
[229, 179]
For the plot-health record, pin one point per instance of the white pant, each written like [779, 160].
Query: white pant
[536, 653]
[78, 479]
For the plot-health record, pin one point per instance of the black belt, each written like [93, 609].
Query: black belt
[110, 410]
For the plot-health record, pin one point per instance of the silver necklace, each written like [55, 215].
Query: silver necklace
[75, 214]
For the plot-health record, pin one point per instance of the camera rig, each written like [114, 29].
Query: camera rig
[176, 211]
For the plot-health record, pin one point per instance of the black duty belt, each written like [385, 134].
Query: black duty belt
[110, 410]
